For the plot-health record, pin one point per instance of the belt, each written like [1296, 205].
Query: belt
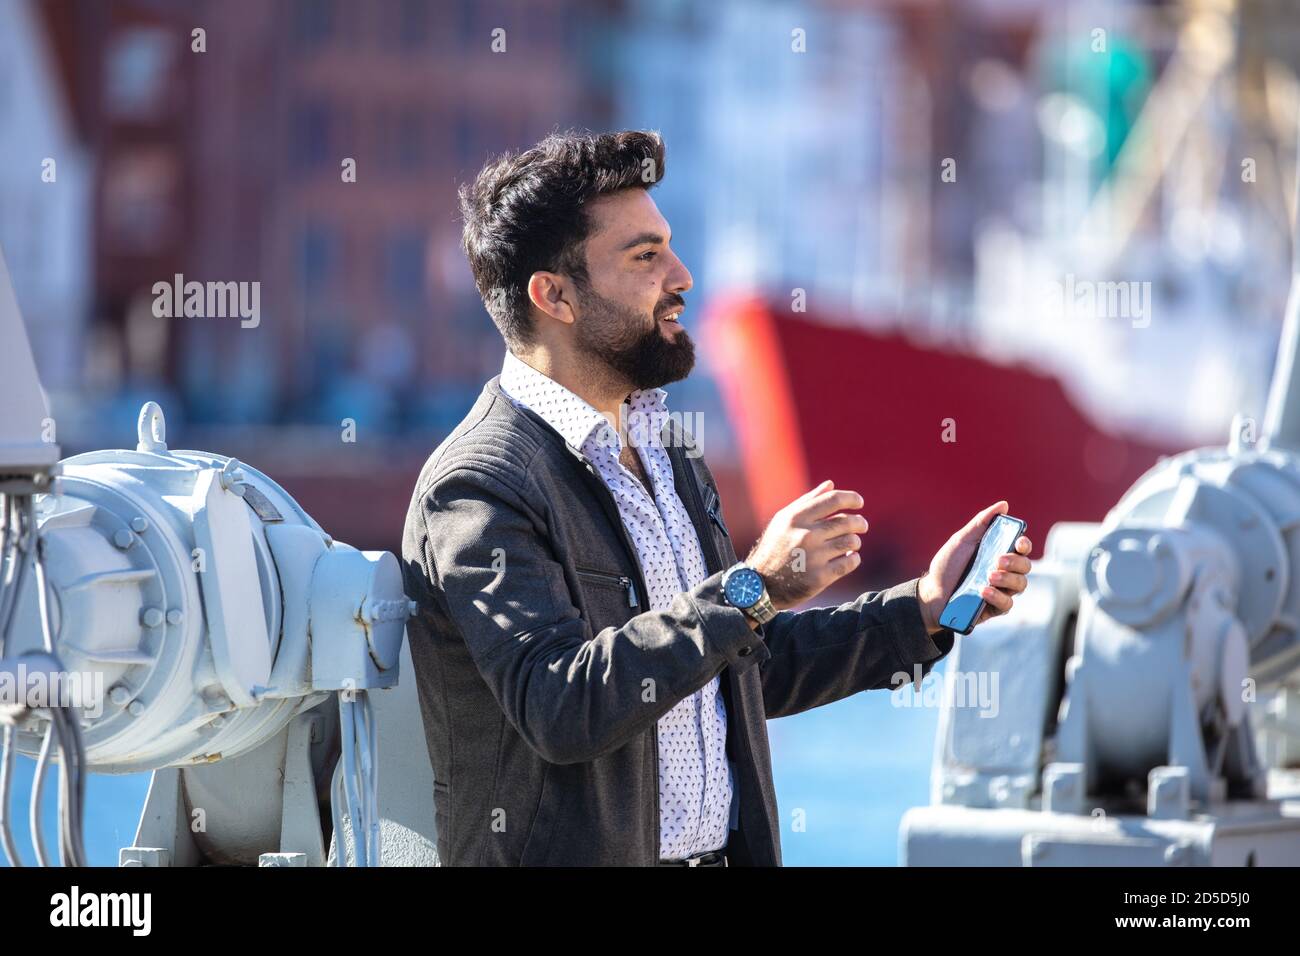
[712, 858]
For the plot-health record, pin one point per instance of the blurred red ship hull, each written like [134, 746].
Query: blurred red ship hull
[928, 437]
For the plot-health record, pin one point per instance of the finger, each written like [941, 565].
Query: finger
[1015, 562]
[814, 492]
[843, 564]
[1024, 545]
[844, 542]
[982, 519]
[828, 502]
[997, 599]
[1008, 581]
[848, 522]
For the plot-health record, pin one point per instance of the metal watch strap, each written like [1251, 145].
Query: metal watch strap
[762, 611]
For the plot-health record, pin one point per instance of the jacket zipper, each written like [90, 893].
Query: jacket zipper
[621, 580]
[695, 497]
[611, 512]
[697, 508]
[710, 508]
[654, 739]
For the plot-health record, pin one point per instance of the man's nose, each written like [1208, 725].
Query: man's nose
[679, 279]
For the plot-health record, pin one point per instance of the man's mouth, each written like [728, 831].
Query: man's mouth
[673, 316]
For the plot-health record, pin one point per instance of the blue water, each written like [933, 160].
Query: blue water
[113, 804]
[851, 767]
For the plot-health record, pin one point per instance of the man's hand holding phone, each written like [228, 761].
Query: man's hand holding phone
[814, 541]
[949, 565]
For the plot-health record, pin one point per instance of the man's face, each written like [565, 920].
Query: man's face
[627, 316]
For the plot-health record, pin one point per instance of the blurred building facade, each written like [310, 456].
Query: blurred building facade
[314, 147]
[45, 194]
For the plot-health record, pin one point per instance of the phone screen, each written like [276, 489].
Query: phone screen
[967, 602]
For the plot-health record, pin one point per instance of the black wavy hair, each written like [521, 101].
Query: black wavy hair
[525, 212]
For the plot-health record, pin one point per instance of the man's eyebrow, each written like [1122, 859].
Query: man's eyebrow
[641, 239]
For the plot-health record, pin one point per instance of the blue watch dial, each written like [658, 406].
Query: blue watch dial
[743, 588]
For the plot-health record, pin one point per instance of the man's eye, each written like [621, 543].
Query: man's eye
[647, 256]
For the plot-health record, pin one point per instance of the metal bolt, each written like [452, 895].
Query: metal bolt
[119, 695]
[217, 722]
[135, 708]
[139, 525]
[151, 617]
[175, 616]
[232, 477]
[123, 539]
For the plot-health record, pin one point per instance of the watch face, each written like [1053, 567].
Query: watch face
[743, 588]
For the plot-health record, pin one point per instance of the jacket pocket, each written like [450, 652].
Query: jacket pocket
[609, 579]
[537, 844]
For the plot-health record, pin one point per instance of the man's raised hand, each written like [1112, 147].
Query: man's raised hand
[809, 544]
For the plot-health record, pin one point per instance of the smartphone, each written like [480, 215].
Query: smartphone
[964, 607]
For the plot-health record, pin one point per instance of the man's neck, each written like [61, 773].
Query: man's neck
[605, 397]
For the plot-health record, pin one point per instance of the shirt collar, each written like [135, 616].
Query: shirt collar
[578, 422]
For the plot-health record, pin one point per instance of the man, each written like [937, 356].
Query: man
[595, 667]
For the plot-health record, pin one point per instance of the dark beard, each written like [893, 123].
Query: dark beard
[643, 358]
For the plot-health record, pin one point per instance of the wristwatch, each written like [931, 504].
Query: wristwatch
[743, 588]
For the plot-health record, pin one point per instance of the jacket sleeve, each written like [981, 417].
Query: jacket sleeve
[572, 695]
[823, 655]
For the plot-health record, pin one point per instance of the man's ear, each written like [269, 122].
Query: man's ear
[550, 293]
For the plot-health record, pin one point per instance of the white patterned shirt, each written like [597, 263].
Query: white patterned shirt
[695, 783]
